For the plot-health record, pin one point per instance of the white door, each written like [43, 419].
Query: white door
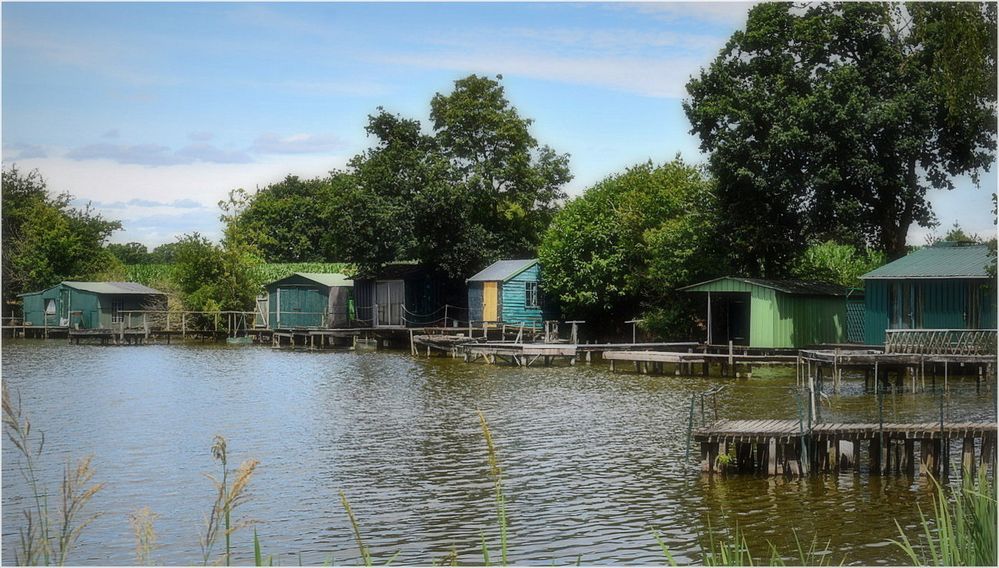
[390, 297]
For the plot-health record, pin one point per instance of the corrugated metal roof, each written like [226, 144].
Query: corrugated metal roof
[942, 260]
[112, 287]
[800, 287]
[503, 270]
[327, 279]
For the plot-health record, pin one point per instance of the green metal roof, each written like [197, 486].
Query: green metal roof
[942, 260]
[112, 287]
[503, 270]
[323, 278]
[798, 287]
[327, 279]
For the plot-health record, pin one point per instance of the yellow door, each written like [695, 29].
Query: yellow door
[489, 302]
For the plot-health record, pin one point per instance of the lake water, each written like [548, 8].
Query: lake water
[591, 459]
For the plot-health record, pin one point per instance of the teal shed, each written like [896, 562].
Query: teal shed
[944, 286]
[309, 300]
[91, 305]
[508, 291]
[773, 313]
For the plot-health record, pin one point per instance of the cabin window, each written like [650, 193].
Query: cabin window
[50, 307]
[531, 299]
[117, 306]
[905, 305]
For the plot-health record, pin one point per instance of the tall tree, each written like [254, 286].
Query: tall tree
[514, 183]
[832, 121]
[45, 240]
[627, 243]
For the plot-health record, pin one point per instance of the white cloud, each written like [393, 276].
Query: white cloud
[652, 77]
[158, 155]
[192, 191]
[271, 143]
[723, 13]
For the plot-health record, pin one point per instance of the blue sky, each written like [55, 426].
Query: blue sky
[155, 111]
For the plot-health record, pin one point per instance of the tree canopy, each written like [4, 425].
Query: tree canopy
[476, 188]
[627, 243]
[45, 240]
[831, 121]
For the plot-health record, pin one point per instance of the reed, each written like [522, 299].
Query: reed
[141, 522]
[42, 542]
[365, 554]
[962, 531]
[228, 496]
[497, 474]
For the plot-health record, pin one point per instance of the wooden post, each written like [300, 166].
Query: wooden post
[731, 359]
[412, 344]
[968, 458]
[875, 455]
[772, 457]
[834, 454]
[709, 320]
[910, 457]
[183, 324]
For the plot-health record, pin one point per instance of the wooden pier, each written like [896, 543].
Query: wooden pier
[528, 354]
[791, 448]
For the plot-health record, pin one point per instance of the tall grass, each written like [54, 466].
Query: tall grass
[47, 536]
[228, 496]
[962, 531]
[497, 475]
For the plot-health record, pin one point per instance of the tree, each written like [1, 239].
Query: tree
[45, 241]
[628, 242]
[831, 121]
[475, 189]
[130, 253]
[837, 264]
[514, 184]
[211, 277]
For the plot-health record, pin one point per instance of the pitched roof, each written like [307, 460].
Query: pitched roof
[942, 260]
[503, 270]
[112, 287]
[799, 287]
[323, 278]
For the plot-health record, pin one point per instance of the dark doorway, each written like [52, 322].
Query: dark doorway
[729, 318]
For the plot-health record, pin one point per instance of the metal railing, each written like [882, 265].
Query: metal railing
[941, 341]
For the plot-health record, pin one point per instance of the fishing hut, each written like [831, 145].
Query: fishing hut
[943, 287]
[773, 314]
[89, 306]
[508, 291]
[306, 300]
[408, 295]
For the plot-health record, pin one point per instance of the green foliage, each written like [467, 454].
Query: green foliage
[831, 121]
[45, 241]
[836, 264]
[211, 277]
[963, 529]
[129, 253]
[628, 242]
[478, 188]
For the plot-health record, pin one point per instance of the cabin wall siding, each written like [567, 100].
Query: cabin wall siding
[474, 301]
[944, 301]
[514, 298]
[779, 320]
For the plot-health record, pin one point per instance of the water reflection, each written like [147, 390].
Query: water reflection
[592, 460]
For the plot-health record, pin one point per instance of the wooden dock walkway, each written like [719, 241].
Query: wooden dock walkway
[527, 354]
[792, 448]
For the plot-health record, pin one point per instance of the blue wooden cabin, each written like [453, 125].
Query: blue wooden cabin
[309, 300]
[91, 305]
[508, 291]
[944, 286]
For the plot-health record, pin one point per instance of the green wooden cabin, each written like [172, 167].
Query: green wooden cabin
[91, 305]
[773, 313]
[508, 291]
[944, 286]
[309, 300]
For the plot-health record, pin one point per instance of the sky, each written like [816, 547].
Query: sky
[154, 112]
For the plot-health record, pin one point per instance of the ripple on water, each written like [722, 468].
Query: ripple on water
[592, 460]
